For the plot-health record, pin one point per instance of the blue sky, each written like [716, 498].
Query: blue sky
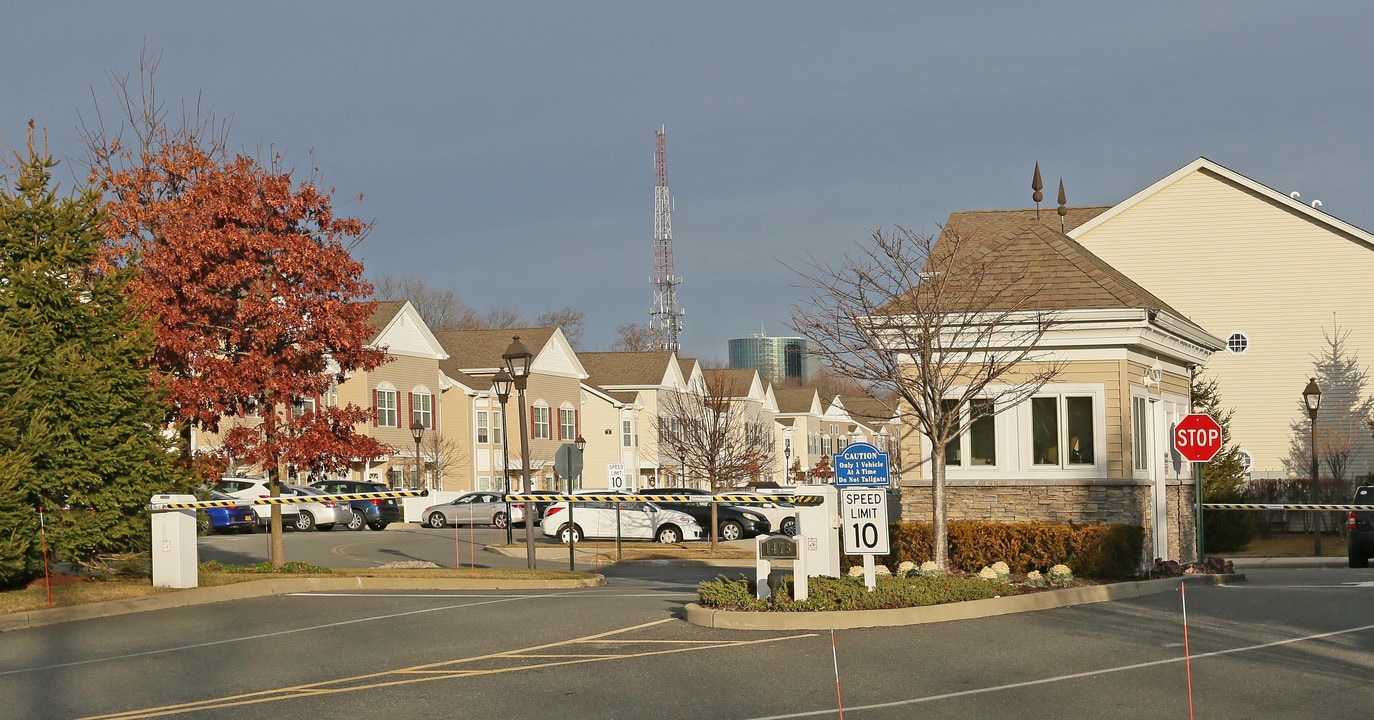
[504, 150]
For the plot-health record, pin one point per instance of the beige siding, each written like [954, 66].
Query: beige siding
[1233, 261]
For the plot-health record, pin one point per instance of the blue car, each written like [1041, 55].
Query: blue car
[239, 518]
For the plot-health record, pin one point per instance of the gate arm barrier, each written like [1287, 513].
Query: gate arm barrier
[727, 499]
[1263, 506]
[288, 500]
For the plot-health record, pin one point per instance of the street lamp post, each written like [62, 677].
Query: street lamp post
[517, 358]
[417, 431]
[787, 464]
[501, 383]
[1312, 397]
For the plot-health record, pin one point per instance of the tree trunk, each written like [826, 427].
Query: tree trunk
[715, 525]
[278, 547]
[938, 520]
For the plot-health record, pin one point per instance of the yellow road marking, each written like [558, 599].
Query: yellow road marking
[447, 669]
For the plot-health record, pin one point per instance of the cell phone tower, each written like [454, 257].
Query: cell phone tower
[665, 317]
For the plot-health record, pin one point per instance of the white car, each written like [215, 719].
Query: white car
[781, 514]
[639, 520]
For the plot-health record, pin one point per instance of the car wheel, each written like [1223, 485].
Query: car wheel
[376, 526]
[358, 521]
[436, 520]
[499, 520]
[731, 530]
[788, 526]
[203, 526]
[1358, 561]
[565, 531]
[305, 521]
[669, 534]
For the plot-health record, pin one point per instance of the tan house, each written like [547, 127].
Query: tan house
[473, 416]
[1091, 446]
[635, 382]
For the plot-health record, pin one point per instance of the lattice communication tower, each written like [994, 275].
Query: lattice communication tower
[665, 317]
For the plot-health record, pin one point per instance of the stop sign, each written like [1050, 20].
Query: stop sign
[1197, 437]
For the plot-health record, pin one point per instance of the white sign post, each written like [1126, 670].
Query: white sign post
[863, 512]
[616, 474]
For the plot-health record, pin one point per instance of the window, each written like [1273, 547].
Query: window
[386, 409]
[483, 433]
[981, 434]
[1139, 435]
[540, 422]
[422, 409]
[1238, 343]
[825, 445]
[567, 423]
[498, 427]
[1247, 460]
[1076, 445]
[627, 435]
[303, 406]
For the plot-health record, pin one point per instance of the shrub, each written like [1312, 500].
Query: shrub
[826, 593]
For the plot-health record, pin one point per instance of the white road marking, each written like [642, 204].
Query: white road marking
[1061, 678]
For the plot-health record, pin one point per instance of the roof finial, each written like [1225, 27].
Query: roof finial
[1063, 209]
[1037, 185]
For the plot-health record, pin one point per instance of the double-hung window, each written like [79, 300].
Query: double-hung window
[540, 426]
[498, 427]
[386, 408]
[1062, 429]
[627, 433]
[567, 423]
[483, 432]
[1140, 436]
[422, 410]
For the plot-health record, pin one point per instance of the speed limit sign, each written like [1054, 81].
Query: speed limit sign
[864, 512]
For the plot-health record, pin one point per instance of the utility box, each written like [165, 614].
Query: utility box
[820, 526]
[174, 543]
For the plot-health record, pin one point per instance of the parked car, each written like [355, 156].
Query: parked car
[320, 515]
[781, 514]
[540, 506]
[733, 522]
[254, 488]
[372, 513]
[1361, 526]
[638, 520]
[473, 508]
[239, 518]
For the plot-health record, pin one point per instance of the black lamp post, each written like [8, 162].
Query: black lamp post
[417, 431]
[1312, 397]
[501, 384]
[581, 444]
[518, 358]
[787, 464]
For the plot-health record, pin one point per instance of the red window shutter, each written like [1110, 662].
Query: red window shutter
[374, 407]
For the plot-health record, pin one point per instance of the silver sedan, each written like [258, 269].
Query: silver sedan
[473, 508]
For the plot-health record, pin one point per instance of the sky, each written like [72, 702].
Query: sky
[504, 150]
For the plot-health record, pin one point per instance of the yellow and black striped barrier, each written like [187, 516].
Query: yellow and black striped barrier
[1265, 506]
[286, 500]
[727, 499]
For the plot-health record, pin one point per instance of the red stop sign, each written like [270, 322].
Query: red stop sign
[1197, 437]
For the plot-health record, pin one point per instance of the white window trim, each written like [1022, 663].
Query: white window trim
[395, 406]
[1012, 427]
[1248, 342]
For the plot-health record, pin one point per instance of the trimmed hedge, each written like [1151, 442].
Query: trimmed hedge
[825, 593]
[1091, 551]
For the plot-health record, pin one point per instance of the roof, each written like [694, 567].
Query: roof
[869, 411]
[477, 349]
[382, 314]
[795, 400]
[1036, 267]
[621, 369]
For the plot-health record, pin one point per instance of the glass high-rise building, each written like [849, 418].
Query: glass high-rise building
[778, 359]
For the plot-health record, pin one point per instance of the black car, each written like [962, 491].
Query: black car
[733, 522]
[375, 513]
[1361, 524]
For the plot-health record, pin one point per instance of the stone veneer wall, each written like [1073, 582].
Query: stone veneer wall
[1091, 502]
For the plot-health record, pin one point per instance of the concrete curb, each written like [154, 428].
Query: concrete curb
[845, 619]
[272, 586]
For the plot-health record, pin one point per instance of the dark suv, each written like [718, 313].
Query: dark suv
[734, 522]
[1361, 524]
[375, 513]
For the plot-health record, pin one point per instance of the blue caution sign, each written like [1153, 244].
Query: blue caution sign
[862, 464]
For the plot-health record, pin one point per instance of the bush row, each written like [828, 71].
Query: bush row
[1091, 551]
[825, 593]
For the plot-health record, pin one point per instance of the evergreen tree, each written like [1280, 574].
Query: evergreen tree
[1223, 478]
[83, 420]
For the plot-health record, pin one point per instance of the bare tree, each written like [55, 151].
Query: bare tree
[440, 309]
[443, 455]
[570, 320]
[709, 432]
[935, 326]
[503, 317]
[633, 337]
